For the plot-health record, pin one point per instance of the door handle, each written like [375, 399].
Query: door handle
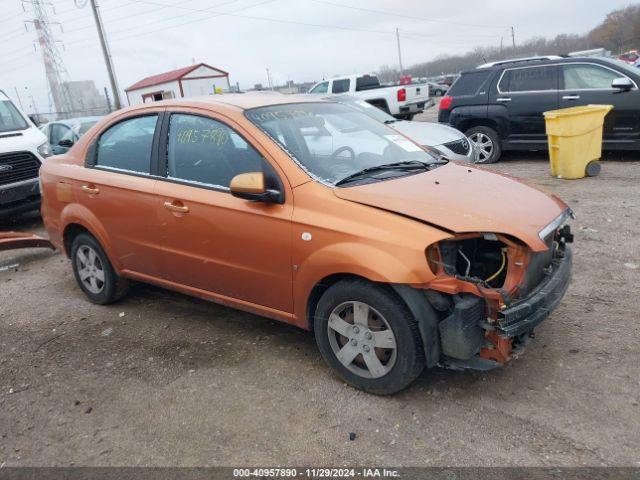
[503, 99]
[173, 207]
[91, 190]
[571, 97]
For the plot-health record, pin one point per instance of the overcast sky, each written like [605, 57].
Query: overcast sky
[302, 40]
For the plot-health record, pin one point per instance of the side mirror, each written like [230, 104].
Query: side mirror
[66, 142]
[623, 84]
[251, 186]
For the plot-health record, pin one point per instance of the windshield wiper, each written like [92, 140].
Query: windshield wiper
[390, 121]
[406, 165]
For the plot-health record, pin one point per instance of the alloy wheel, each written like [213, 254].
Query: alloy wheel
[484, 146]
[90, 269]
[362, 340]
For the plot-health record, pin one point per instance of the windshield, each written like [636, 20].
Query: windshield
[10, 117]
[365, 107]
[332, 141]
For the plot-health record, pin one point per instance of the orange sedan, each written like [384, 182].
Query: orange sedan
[314, 214]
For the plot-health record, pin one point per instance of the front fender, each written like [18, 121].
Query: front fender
[358, 259]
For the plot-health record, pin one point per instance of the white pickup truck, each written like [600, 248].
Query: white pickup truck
[401, 101]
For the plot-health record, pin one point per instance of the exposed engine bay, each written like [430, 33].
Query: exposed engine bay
[491, 291]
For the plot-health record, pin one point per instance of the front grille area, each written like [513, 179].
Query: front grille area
[461, 147]
[18, 166]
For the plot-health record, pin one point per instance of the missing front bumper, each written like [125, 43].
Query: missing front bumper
[525, 314]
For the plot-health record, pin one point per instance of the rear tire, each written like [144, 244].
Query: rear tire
[487, 143]
[94, 273]
[368, 336]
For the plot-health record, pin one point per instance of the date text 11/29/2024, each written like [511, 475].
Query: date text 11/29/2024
[315, 473]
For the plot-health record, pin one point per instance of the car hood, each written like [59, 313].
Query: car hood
[28, 139]
[426, 133]
[463, 199]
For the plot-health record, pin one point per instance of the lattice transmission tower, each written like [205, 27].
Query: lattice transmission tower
[57, 74]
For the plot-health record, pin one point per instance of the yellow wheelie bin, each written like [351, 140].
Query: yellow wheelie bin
[575, 140]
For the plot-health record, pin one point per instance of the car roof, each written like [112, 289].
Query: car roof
[71, 121]
[542, 62]
[242, 101]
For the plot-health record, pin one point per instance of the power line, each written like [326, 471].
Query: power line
[215, 14]
[145, 12]
[6, 19]
[412, 17]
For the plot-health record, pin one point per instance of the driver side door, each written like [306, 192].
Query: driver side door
[211, 240]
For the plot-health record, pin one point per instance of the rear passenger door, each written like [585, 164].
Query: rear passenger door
[118, 189]
[525, 93]
[585, 83]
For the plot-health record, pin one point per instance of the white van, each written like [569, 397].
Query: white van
[23, 148]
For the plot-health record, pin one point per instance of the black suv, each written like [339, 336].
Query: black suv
[499, 107]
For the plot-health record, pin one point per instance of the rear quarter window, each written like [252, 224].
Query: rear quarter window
[367, 82]
[469, 83]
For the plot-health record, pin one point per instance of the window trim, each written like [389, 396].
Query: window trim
[528, 91]
[333, 83]
[92, 151]
[561, 78]
[621, 75]
[163, 154]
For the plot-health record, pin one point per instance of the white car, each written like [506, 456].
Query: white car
[401, 101]
[23, 148]
[436, 138]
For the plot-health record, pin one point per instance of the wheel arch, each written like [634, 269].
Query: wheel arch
[77, 219]
[380, 103]
[465, 125]
[71, 231]
[415, 300]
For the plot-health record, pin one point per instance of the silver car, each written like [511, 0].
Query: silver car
[436, 138]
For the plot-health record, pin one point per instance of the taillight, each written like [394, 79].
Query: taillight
[402, 95]
[445, 102]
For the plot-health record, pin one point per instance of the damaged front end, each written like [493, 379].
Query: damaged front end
[491, 291]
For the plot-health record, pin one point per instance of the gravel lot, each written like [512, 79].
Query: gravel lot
[163, 379]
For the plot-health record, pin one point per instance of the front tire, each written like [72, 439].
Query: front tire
[94, 273]
[487, 143]
[368, 336]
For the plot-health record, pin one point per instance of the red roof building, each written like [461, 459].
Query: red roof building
[193, 81]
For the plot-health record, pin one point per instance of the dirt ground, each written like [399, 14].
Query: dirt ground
[164, 379]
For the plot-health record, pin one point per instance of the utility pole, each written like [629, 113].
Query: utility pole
[399, 51]
[55, 70]
[106, 95]
[513, 38]
[18, 95]
[269, 79]
[107, 55]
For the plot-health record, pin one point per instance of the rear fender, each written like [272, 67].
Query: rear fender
[74, 213]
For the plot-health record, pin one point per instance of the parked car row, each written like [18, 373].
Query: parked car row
[500, 106]
[63, 134]
[403, 101]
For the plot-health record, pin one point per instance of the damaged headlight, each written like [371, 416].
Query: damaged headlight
[481, 259]
[556, 224]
